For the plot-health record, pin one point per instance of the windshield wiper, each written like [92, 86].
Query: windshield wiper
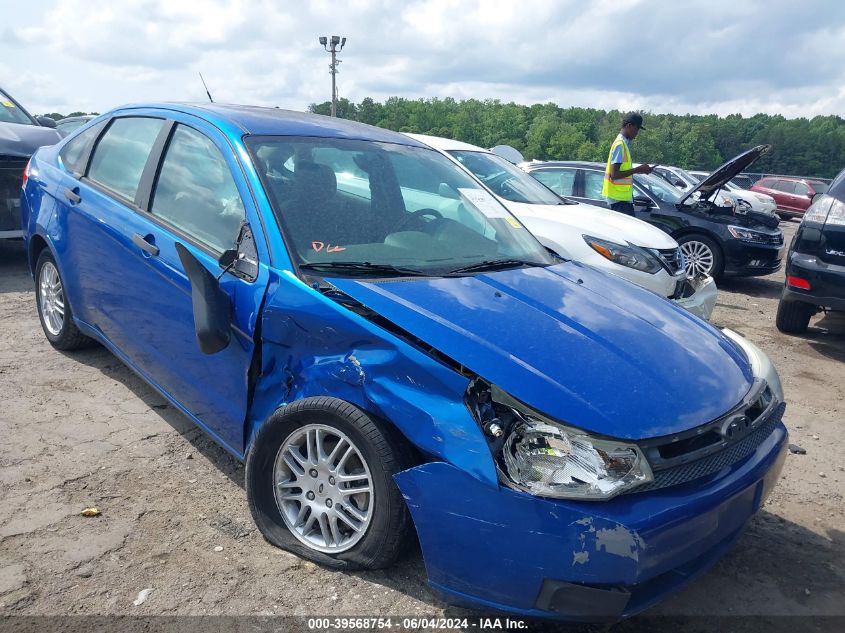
[494, 264]
[363, 267]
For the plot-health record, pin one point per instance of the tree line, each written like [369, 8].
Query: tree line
[807, 147]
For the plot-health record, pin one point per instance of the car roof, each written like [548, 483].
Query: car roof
[266, 121]
[446, 144]
[565, 163]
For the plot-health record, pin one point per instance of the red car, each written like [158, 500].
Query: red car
[792, 195]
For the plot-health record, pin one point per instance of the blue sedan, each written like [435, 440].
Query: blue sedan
[392, 353]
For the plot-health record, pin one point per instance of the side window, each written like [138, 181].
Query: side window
[76, 152]
[120, 156]
[801, 189]
[785, 185]
[593, 181]
[561, 181]
[195, 191]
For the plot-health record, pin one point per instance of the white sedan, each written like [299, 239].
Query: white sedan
[610, 241]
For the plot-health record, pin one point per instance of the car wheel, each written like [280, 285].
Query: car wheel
[793, 317]
[319, 478]
[702, 256]
[53, 308]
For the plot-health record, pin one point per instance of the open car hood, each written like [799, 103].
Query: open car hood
[723, 174]
[586, 348]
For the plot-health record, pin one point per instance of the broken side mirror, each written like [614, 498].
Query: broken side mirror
[212, 306]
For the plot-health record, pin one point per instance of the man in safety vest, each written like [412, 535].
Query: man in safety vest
[618, 187]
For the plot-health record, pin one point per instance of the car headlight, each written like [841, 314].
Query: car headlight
[748, 235]
[549, 459]
[626, 255]
[761, 366]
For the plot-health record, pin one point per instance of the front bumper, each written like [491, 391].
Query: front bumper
[827, 281]
[750, 259]
[496, 548]
[702, 302]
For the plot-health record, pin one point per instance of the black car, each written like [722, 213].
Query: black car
[815, 265]
[715, 240]
[20, 135]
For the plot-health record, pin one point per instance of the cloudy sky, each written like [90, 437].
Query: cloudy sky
[719, 56]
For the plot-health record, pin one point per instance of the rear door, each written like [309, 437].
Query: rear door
[152, 184]
[802, 198]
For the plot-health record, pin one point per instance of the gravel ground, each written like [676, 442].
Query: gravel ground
[81, 430]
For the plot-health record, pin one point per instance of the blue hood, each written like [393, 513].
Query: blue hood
[584, 347]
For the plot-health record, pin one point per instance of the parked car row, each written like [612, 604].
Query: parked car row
[610, 241]
[391, 352]
[715, 240]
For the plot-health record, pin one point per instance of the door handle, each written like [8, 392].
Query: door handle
[71, 195]
[141, 242]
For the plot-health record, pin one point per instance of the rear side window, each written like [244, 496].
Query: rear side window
[561, 181]
[196, 192]
[786, 186]
[75, 154]
[121, 154]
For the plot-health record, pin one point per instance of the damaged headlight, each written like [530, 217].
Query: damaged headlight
[546, 458]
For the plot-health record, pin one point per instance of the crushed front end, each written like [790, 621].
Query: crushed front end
[587, 528]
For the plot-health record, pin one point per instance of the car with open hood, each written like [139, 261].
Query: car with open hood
[815, 265]
[715, 240]
[20, 135]
[754, 199]
[612, 242]
[395, 361]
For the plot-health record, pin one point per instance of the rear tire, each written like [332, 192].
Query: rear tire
[54, 311]
[303, 505]
[793, 317]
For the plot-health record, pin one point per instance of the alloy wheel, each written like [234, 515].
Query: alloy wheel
[51, 298]
[698, 258]
[323, 488]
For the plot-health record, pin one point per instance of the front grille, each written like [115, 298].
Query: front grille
[715, 462]
[673, 258]
[11, 177]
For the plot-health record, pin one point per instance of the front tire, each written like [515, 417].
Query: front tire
[53, 308]
[702, 256]
[793, 317]
[319, 479]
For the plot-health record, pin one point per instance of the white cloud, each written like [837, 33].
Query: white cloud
[702, 56]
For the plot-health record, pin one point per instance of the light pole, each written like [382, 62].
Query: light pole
[333, 45]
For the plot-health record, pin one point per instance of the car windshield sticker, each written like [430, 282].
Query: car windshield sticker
[8, 104]
[514, 223]
[484, 202]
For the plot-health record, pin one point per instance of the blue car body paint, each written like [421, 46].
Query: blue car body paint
[588, 349]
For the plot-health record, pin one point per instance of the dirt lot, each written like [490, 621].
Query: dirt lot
[81, 430]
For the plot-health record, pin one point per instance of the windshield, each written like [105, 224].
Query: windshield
[818, 187]
[10, 113]
[658, 188]
[364, 204]
[688, 177]
[505, 179]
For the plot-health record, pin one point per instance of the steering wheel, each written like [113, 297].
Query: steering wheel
[415, 217]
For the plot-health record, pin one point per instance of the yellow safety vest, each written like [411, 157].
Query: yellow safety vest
[621, 189]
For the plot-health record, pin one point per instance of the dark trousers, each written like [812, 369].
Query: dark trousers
[623, 207]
